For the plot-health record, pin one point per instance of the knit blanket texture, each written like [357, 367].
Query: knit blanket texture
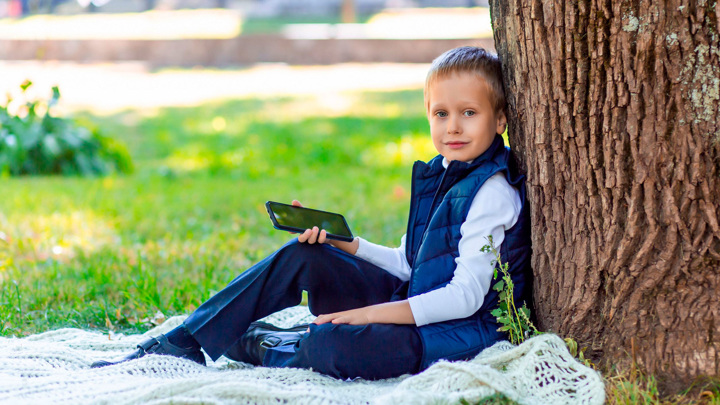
[54, 368]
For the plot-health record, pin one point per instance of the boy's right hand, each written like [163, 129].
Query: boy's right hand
[317, 235]
[310, 235]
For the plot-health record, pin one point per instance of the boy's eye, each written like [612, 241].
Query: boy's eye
[441, 114]
[469, 113]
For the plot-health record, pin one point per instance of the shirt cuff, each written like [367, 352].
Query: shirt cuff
[365, 249]
[416, 307]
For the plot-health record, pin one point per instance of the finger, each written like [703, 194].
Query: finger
[321, 320]
[314, 235]
[296, 203]
[304, 236]
[323, 236]
[342, 319]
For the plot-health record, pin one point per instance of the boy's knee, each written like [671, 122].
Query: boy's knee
[311, 257]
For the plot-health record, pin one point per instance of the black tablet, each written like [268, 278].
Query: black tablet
[297, 219]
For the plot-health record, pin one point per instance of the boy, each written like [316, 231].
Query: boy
[385, 312]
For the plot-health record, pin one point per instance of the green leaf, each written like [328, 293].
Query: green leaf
[50, 147]
[32, 136]
[83, 164]
[572, 346]
[25, 85]
[55, 97]
[67, 168]
[499, 286]
[497, 312]
[502, 296]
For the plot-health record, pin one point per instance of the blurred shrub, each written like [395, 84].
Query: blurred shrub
[34, 142]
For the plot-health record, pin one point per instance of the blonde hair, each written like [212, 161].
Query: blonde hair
[470, 59]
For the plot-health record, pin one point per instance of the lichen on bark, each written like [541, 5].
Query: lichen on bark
[702, 75]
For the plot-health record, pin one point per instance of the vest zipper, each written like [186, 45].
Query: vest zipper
[427, 221]
[411, 218]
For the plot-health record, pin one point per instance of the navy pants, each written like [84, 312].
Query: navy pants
[335, 281]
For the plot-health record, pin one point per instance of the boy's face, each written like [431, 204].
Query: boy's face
[462, 119]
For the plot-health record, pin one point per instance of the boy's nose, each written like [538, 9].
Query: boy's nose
[453, 126]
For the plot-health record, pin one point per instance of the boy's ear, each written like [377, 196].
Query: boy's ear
[501, 122]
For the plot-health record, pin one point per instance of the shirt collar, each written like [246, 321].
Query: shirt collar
[446, 163]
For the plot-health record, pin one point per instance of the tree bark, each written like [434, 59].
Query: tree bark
[613, 109]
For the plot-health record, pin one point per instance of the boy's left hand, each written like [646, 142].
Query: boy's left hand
[389, 312]
[358, 316]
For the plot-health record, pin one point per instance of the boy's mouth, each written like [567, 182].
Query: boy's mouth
[456, 145]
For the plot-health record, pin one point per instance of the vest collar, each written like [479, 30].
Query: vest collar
[455, 167]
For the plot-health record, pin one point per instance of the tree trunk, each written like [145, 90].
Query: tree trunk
[347, 11]
[613, 109]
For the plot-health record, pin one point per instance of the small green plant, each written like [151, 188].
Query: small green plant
[578, 352]
[515, 321]
[33, 141]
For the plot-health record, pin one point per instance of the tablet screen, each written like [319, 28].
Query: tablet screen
[306, 218]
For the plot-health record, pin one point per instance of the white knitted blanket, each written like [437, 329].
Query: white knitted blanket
[54, 367]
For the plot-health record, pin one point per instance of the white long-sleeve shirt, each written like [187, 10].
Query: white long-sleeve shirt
[495, 208]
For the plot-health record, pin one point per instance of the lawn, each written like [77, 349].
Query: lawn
[112, 252]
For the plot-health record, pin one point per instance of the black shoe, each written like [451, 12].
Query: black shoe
[158, 345]
[260, 336]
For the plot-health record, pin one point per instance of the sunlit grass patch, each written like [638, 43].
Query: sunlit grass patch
[57, 235]
[636, 387]
[400, 153]
[110, 253]
[274, 136]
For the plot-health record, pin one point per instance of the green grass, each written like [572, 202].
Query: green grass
[274, 25]
[110, 252]
[635, 387]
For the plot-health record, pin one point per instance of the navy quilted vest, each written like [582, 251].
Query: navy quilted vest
[439, 205]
